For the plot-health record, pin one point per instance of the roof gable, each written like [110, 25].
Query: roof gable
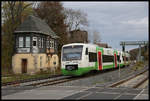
[35, 24]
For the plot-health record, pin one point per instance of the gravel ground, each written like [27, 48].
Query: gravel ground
[102, 79]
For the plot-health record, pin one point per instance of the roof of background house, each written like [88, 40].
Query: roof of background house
[102, 45]
[77, 30]
[35, 24]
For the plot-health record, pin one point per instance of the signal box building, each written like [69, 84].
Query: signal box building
[35, 47]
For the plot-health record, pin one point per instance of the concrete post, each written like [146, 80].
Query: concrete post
[123, 47]
[147, 46]
[119, 67]
[139, 52]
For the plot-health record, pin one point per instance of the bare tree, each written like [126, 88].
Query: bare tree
[52, 13]
[13, 12]
[16, 9]
[96, 37]
[75, 18]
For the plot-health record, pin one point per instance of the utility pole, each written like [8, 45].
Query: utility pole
[139, 53]
[119, 65]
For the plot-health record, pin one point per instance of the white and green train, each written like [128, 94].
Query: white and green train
[80, 58]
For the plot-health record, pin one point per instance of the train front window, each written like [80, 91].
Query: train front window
[72, 53]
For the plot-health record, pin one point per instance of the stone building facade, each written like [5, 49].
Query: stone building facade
[35, 47]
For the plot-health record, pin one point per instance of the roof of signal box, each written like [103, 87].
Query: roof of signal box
[35, 24]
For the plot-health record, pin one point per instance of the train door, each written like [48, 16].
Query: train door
[99, 60]
[86, 58]
[115, 56]
[118, 59]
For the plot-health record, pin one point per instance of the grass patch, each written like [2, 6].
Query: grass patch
[41, 74]
[6, 72]
[138, 66]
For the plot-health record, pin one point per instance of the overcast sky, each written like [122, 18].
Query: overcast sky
[116, 21]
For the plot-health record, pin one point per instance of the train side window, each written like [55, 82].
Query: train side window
[108, 58]
[123, 58]
[118, 58]
[126, 59]
[92, 57]
[86, 51]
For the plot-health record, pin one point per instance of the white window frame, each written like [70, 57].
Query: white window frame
[27, 41]
[34, 39]
[39, 42]
[17, 43]
[55, 44]
[42, 42]
[21, 45]
[47, 43]
[50, 43]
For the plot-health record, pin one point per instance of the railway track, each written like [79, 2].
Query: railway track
[51, 82]
[55, 79]
[133, 81]
[61, 80]
[20, 82]
[69, 78]
[45, 81]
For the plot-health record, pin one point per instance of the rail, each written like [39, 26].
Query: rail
[129, 80]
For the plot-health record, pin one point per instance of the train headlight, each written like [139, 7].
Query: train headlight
[79, 63]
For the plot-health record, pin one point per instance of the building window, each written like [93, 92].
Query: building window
[20, 41]
[27, 41]
[50, 44]
[39, 42]
[55, 45]
[47, 44]
[34, 41]
[42, 42]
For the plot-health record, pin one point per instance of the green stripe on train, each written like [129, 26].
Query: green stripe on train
[80, 71]
[121, 65]
[107, 66]
[111, 66]
[84, 70]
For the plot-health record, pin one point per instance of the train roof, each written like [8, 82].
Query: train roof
[87, 44]
[90, 44]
